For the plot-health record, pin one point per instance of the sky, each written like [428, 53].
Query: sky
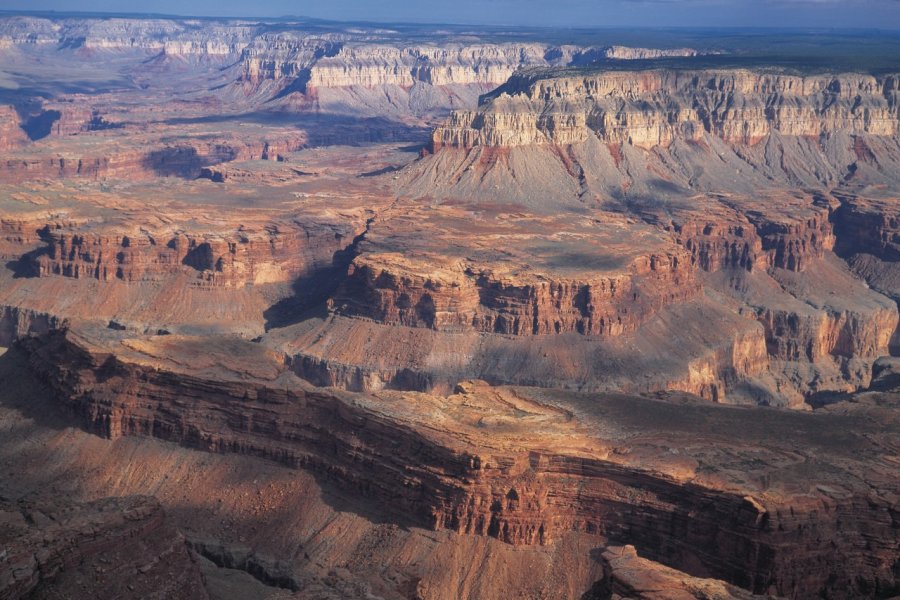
[883, 14]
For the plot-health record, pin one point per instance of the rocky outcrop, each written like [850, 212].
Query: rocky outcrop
[19, 234]
[509, 278]
[627, 575]
[524, 482]
[783, 231]
[111, 548]
[816, 331]
[16, 322]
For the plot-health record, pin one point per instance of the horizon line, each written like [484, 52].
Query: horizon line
[77, 14]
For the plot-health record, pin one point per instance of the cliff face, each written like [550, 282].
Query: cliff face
[331, 61]
[111, 548]
[280, 252]
[870, 226]
[370, 66]
[182, 37]
[483, 301]
[116, 159]
[654, 108]
[349, 75]
[526, 492]
[770, 231]
[506, 275]
[11, 134]
[869, 238]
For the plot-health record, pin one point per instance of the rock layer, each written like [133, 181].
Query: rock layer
[279, 252]
[115, 160]
[542, 294]
[112, 548]
[629, 576]
[518, 492]
[654, 108]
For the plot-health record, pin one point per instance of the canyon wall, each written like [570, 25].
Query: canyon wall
[112, 548]
[519, 494]
[468, 300]
[120, 159]
[654, 108]
[328, 61]
[870, 226]
[278, 252]
[11, 134]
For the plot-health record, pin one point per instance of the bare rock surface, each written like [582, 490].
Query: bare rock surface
[111, 548]
[525, 466]
[630, 576]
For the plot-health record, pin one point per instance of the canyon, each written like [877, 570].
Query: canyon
[299, 309]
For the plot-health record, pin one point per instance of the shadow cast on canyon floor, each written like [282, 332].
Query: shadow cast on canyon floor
[323, 129]
[601, 590]
[181, 161]
[24, 393]
[310, 295]
[25, 267]
[311, 292]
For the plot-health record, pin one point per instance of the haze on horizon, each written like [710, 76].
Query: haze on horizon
[881, 14]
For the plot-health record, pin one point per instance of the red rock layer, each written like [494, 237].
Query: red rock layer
[11, 133]
[18, 236]
[185, 159]
[482, 301]
[521, 494]
[627, 575]
[870, 226]
[759, 233]
[277, 253]
[112, 548]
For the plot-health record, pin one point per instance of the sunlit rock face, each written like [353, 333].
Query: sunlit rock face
[654, 108]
